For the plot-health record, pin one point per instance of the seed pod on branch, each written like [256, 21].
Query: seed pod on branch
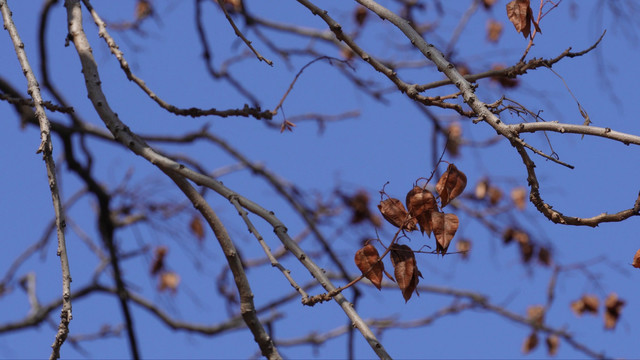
[404, 264]
[451, 184]
[367, 261]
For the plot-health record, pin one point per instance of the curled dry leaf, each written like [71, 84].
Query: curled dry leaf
[359, 205]
[482, 187]
[404, 265]
[488, 3]
[420, 203]
[367, 261]
[530, 343]
[553, 341]
[494, 30]
[613, 305]
[451, 184]
[521, 16]
[535, 314]
[158, 259]
[196, 227]
[504, 81]
[544, 256]
[463, 246]
[519, 197]
[444, 227]
[636, 260]
[360, 15]
[495, 195]
[395, 213]
[454, 138]
[143, 9]
[168, 280]
[586, 304]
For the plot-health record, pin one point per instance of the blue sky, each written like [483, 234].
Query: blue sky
[386, 142]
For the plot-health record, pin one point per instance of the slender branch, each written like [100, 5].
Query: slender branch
[241, 36]
[46, 148]
[193, 112]
[247, 308]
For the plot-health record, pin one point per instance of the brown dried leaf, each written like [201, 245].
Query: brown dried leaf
[482, 187]
[526, 252]
[420, 203]
[143, 9]
[454, 138]
[488, 3]
[168, 280]
[636, 260]
[494, 30]
[404, 264]
[613, 305]
[451, 184]
[495, 195]
[504, 81]
[553, 341]
[530, 343]
[360, 15]
[395, 213]
[158, 259]
[535, 314]
[544, 256]
[444, 228]
[367, 261]
[518, 14]
[586, 304]
[463, 246]
[196, 227]
[519, 197]
[359, 204]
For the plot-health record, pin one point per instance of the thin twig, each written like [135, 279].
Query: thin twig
[241, 36]
[46, 148]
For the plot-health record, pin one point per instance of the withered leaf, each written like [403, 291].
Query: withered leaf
[359, 204]
[196, 227]
[535, 314]
[504, 81]
[454, 137]
[636, 260]
[482, 187]
[495, 195]
[526, 251]
[158, 259]
[395, 213]
[494, 30]
[530, 343]
[360, 15]
[451, 184]
[521, 16]
[143, 9]
[444, 227]
[553, 341]
[463, 246]
[488, 3]
[420, 203]
[613, 305]
[404, 264]
[586, 304]
[168, 280]
[544, 256]
[367, 261]
[519, 197]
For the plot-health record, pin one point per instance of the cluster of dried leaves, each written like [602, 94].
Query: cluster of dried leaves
[422, 211]
[167, 280]
[588, 304]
